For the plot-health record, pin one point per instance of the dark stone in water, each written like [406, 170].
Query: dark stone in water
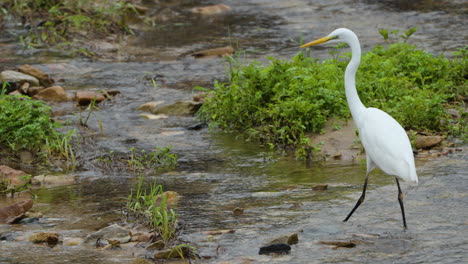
[197, 126]
[29, 220]
[8, 236]
[275, 249]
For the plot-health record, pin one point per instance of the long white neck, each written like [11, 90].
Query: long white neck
[355, 104]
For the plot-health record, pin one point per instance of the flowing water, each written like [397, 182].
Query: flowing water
[218, 172]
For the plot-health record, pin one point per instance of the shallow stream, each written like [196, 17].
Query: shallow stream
[218, 172]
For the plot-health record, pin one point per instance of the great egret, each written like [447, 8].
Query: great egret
[385, 141]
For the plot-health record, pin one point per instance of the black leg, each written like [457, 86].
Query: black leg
[400, 200]
[361, 199]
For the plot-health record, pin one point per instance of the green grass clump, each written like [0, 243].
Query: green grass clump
[54, 22]
[281, 102]
[150, 204]
[26, 124]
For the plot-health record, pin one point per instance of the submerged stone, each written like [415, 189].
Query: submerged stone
[211, 9]
[218, 52]
[112, 232]
[179, 108]
[338, 244]
[320, 187]
[238, 211]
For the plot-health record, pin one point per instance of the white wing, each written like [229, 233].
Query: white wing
[387, 144]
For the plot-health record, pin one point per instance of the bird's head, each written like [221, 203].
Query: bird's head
[338, 35]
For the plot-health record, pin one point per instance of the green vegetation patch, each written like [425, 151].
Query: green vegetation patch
[281, 102]
[53, 22]
[150, 204]
[26, 124]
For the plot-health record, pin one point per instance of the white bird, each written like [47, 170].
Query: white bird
[386, 143]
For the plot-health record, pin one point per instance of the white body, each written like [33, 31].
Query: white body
[385, 141]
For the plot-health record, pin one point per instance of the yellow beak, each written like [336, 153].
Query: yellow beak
[316, 42]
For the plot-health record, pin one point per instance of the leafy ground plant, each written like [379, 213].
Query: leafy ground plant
[150, 204]
[26, 124]
[140, 160]
[283, 102]
[51, 22]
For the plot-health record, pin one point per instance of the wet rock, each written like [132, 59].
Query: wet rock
[86, 97]
[33, 214]
[43, 78]
[141, 261]
[238, 211]
[148, 107]
[156, 245]
[28, 220]
[14, 177]
[154, 117]
[32, 91]
[197, 126]
[320, 187]
[290, 239]
[112, 232]
[171, 133]
[8, 236]
[211, 9]
[113, 244]
[15, 219]
[181, 252]
[218, 52]
[52, 94]
[339, 244]
[49, 238]
[18, 77]
[53, 180]
[425, 142]
[12, 212]
[23, 89]
[72, 241]
[141, 237]
[275, 249]
[218, 232]
[100, 46]
[180, 108]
